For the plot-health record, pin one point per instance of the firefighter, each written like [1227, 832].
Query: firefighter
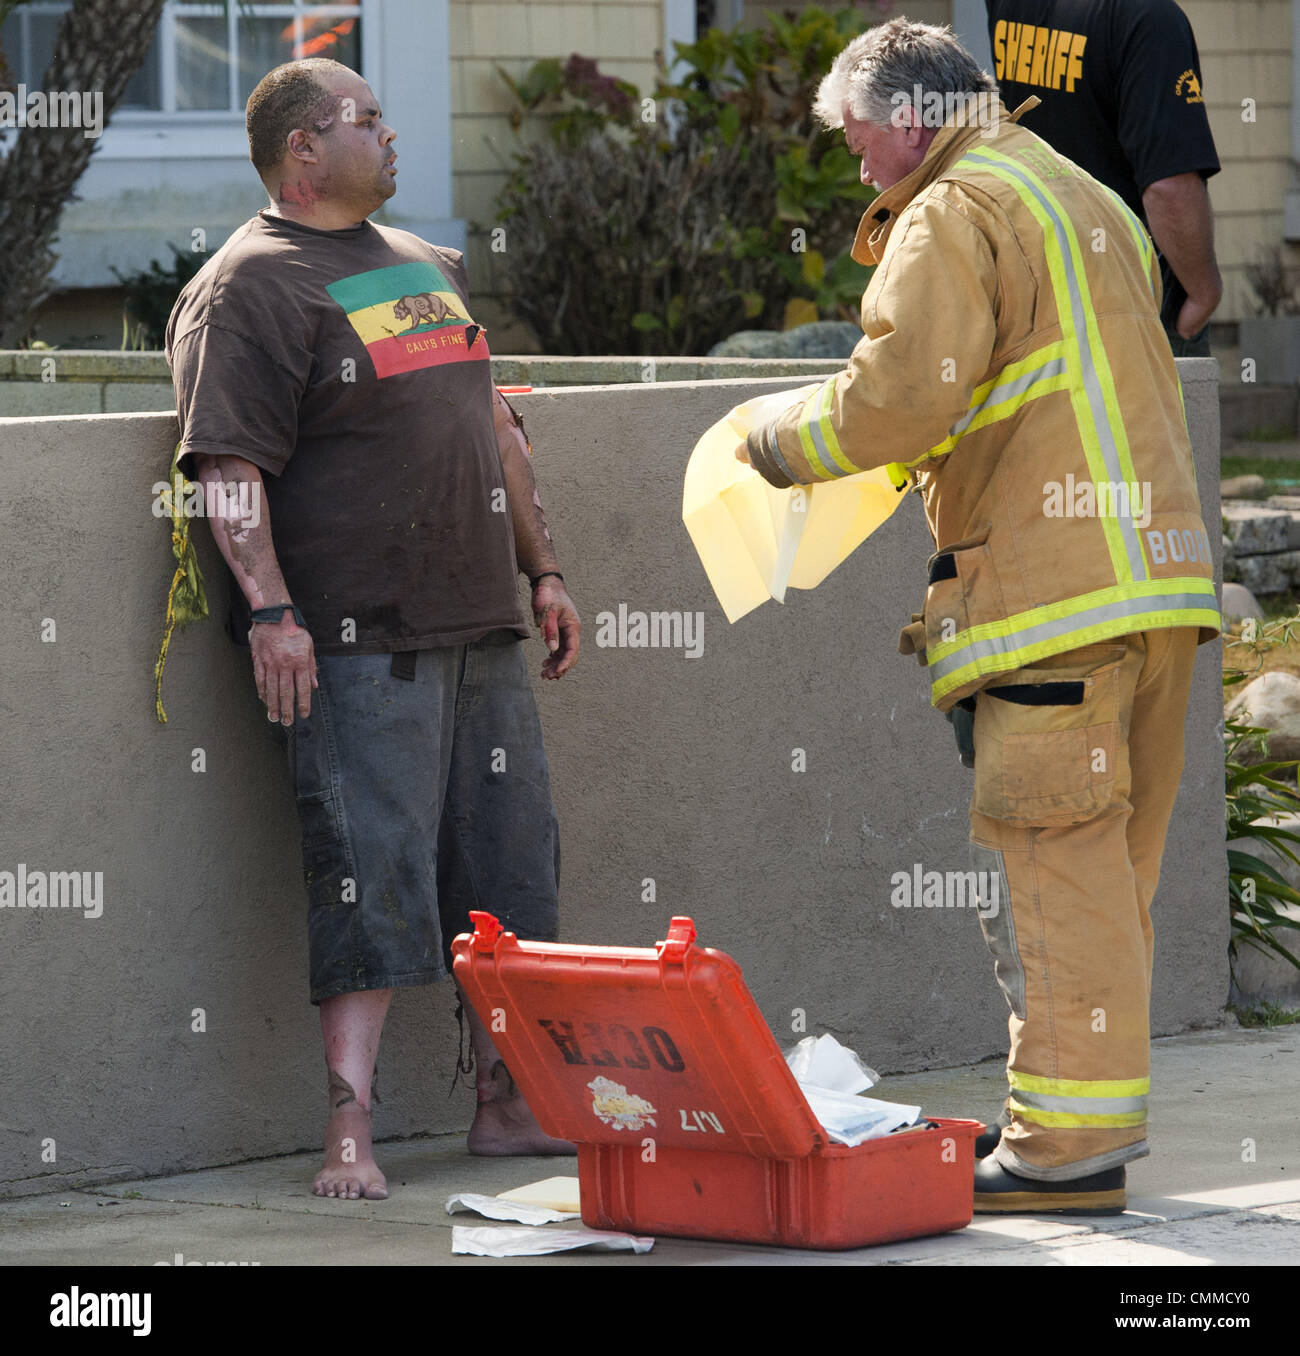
[1013, 370]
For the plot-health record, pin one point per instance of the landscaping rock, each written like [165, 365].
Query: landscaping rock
[1273, 701]
[1243, 487]
[1274, 573]
[1239, 603]
[1288, 503]
[821, 339]
[1230, 572]
[1255, 529]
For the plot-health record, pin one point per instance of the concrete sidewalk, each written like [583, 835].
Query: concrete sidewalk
[1193, 1202]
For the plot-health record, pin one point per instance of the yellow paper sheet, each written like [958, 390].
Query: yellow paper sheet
[556, 1193]
[754, 540]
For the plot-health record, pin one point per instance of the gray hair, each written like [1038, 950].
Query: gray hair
[885, 67]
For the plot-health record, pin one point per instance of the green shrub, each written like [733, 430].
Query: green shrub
[150, 295]
[662, 224]
[1256, 797]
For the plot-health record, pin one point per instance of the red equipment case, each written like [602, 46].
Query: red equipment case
[657, 1063]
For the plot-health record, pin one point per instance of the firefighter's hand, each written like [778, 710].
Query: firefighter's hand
[742, 453]
[284, 666]
[557, 618]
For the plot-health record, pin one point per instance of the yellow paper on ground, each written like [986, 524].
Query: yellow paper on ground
[555, 1193]
[754, 540]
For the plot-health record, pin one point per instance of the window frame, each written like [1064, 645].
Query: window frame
[168, 115]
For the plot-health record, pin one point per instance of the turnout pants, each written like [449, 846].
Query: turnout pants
[1076, 771]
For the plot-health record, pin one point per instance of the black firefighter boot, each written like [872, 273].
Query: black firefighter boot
[999, 1192]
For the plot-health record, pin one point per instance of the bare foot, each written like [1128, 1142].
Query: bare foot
[350, 1171]
[504, 1126]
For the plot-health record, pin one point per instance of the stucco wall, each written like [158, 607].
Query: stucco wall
[665, 767]
[93, 381]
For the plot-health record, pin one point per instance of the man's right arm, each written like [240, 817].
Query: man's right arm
[284, 659]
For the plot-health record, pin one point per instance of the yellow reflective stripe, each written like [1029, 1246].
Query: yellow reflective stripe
[1139, 232]
[897, 474]
[1014, 387]
[1008, 644]
[817, 436]
[804, 429]
[1085, 635]
[1069, 287]
[828, 429]
[1072, 1120]
[1050, 617]
[1077, 1087]
[1092, 389]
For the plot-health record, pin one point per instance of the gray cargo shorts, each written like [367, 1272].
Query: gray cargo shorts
[421, 798]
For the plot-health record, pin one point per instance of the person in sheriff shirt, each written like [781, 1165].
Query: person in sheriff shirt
[1120, 85]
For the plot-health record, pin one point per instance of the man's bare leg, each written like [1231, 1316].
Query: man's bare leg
[351, 1025]
[503, 1124]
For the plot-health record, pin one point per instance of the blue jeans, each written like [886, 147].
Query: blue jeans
[420, 799]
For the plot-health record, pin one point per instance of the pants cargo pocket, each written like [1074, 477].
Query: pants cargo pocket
[1046, 749]
[324, 855]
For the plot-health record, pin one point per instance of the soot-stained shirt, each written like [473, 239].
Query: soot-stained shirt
[346, 367]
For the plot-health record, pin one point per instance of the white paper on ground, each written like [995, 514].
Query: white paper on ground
[526, 1242]
[825, 1063]
[493, 1207]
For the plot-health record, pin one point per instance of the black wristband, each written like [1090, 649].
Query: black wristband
[276, 611]
[544, 574]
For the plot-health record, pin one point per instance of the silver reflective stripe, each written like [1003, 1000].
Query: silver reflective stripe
[1010, 391]
[999, 926]
[1083, 1106]
[1064, 626]
[824, 452]
[1091, 381]
[818, 434]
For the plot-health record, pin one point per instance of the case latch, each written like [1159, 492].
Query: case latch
[681, 937]
[487, 930]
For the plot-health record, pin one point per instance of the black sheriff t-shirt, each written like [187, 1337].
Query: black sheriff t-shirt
[1120, 84]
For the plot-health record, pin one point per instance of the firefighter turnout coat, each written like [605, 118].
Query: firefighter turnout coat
[1014, 370]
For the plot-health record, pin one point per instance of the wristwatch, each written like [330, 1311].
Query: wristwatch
[276, 611]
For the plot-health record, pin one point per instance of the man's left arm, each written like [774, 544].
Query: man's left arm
[1182, 225]
[1164, 129]
[553, 609]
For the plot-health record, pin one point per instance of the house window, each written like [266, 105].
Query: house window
[204, 58]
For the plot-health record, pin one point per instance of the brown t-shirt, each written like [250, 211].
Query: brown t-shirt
[346, 365]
